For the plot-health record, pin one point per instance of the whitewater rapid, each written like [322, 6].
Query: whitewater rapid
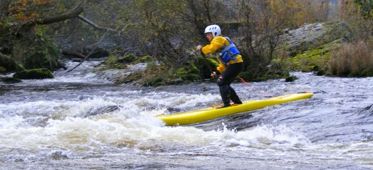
[84, 121]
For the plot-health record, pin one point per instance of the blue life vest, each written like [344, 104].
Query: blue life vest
[229, 52]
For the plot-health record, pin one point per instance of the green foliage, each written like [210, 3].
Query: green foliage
[366, 8]
[29, 48]
[205, 66]
[188, 73]
[144, 59]
[163, 76]
[115, 62]
[212, 61]
[41, 58]
[42, 54]
[154, 75]
[112, 62]
[41, 73]
[128, 58]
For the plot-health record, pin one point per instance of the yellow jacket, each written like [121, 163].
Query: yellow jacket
[216, 45]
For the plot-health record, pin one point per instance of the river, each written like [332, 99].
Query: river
[80, 120]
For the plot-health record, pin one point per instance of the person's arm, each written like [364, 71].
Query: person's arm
[216, 44]
[220, 68]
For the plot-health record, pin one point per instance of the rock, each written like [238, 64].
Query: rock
[7, 64]
[10, 80]
[320, 72]
[291, 79]
[367, 112]
[42, 73]
[58, 155]
[97, 53]
[313, 36]
[101, 110]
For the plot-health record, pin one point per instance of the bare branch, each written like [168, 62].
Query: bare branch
[89, 22]
[90, 53]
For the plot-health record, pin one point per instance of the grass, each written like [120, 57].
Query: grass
[352, 60]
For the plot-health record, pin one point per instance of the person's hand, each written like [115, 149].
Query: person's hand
[213, 75]
[199, 47]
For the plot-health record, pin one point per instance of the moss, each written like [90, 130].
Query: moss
[128, 58]
[158, 75]
[155, 81]
[144, 59]
[314, 59]
[130, 78]
[188, 73]
[132, 59]
[153, 75]
[115, 62]
[42, 73]
[112, 62]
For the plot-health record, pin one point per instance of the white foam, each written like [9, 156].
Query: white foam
[70, 125]
[138, 129]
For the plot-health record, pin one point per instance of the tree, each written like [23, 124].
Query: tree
[162, 30]
[263, 23]
[359, 15]
[22, 34]
[365, 8]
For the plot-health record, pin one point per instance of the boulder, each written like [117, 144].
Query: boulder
[312, 36]
[7, 64]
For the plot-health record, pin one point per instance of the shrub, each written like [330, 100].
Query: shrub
[352, 60]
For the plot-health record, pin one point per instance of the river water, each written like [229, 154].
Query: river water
[80, 120]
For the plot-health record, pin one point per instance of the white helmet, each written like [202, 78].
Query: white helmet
[214, 29]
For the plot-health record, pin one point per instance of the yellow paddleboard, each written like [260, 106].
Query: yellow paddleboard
[203, 115]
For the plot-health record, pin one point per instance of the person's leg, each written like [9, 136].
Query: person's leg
[224, 93]
[227, 93]
[233, 96]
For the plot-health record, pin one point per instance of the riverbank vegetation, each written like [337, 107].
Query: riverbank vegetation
[274, 36]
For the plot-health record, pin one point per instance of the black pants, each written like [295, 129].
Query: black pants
[224, 82]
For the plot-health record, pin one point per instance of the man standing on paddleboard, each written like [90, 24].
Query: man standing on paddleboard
[230, 62]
